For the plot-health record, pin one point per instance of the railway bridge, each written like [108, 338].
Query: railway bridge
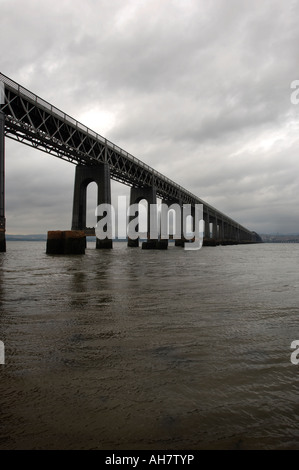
[31, 120]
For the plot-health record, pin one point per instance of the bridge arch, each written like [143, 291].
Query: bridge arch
[29, 119]
[85, 175]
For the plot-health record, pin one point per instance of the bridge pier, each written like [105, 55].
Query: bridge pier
[236, 234]
[208, 239]
[2, 185]
[215, 230]
[100, 174]
[171, 231]
[206, 219]
[149, 194]
[27, 119]
[183, 226]
[220, 231]
[225, 239]
[67, 242]
[246, 237]
[181, 241]
[230, 234]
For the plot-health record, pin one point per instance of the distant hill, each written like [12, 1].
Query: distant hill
[269, 238]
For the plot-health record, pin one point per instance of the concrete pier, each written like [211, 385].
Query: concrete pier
[2, 185]
[178, 228]
[209, 242]
[207, 232]
[149, 194]
[162, 245]
[184, 225]
[208, 239]
[2, 240]
[66, 242]
[28, 119]
[100, 174]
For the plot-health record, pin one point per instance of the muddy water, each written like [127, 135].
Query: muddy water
[132, 349]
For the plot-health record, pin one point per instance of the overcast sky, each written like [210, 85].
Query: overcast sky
[198, 89]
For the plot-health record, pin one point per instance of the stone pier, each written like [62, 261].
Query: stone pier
[170, 230]
[100, 174]
[66, 242]
[208, 240]
[149, 194]
[177, 206]
[183, 224]
[2, 185]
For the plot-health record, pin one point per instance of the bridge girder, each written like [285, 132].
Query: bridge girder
[35, 122]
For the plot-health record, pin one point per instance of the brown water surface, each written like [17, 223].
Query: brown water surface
[133, 349]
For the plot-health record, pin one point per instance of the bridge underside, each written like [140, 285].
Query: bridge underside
[32, 121]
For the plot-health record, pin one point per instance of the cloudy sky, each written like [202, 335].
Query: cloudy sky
[198, 89]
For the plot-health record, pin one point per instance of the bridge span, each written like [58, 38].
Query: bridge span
[30, 120]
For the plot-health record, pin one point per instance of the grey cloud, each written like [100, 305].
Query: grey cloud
[198, 90]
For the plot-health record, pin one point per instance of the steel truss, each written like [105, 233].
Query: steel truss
[35, 122]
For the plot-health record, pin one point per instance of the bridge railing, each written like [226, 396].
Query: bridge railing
[43, 104]
[68, 119]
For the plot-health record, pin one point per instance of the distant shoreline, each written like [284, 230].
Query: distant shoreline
[43, 238]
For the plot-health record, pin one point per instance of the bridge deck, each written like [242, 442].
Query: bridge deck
[35, 122]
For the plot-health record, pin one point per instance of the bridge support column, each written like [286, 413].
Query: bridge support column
[171, 226]
[181, 241]
[224, 235]
[215, 230]
[245, 237]
[189, 226]
[227, 237]
[100, 174]
[67, 242]
[207, 241]
[220, 232]
[236, 234]
[2, 185]
[206, 219]
[149, 194]
[231, 234]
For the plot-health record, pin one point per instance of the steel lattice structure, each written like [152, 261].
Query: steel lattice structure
[33, 121]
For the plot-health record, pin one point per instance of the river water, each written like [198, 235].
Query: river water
[133, 349]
